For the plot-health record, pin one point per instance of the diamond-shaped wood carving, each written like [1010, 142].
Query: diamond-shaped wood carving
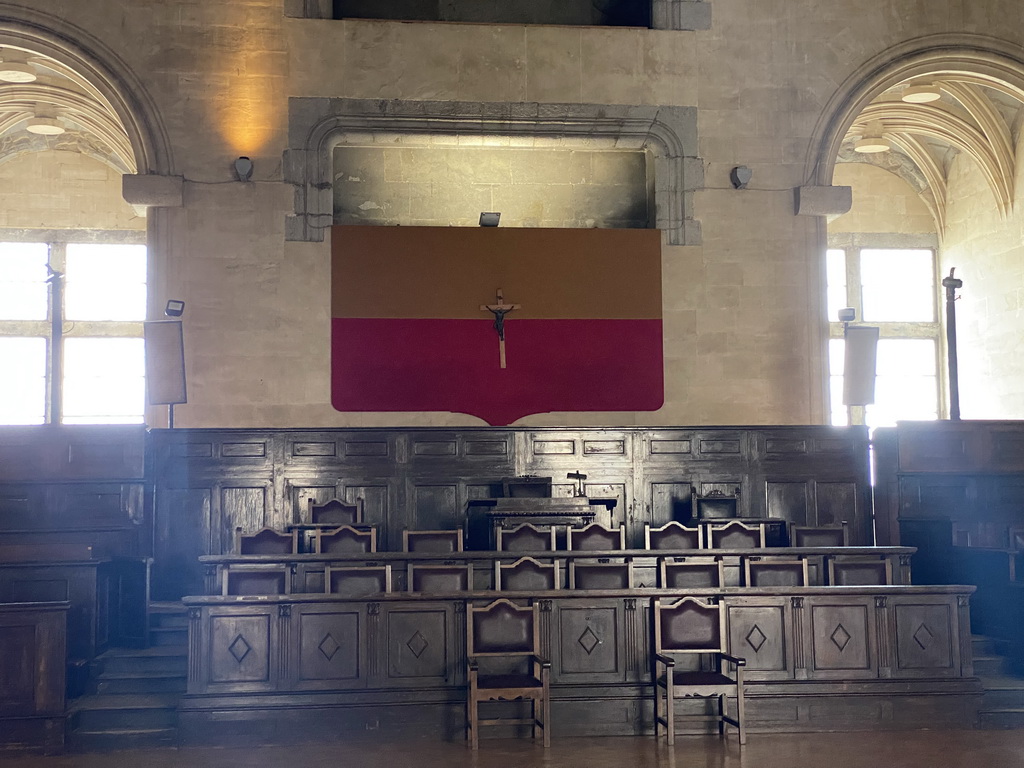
[239, 648]
[923, 636]
[588, 640]
[328, 646]
[840, 637]
[756, 638]
[417, 644]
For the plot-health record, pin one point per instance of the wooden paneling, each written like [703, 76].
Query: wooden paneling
[841, 635]
[332, 647]
[759, 632]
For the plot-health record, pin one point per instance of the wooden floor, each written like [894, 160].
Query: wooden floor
[914, 749]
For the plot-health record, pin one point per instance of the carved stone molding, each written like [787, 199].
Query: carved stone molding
[317, 125]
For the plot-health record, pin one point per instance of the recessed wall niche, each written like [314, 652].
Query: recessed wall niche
[531, 186]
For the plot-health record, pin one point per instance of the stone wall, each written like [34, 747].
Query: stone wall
[744, 333]
[883, 203]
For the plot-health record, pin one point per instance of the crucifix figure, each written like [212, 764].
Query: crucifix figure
[499, 310]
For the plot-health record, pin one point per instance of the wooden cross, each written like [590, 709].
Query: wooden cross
[499, 310]
[579, 477]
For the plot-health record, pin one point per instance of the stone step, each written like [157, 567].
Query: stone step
[124, 712]
[1001, 719]
[167, 615]
[990, 666]
[1002, 692]
[981, 645]
[164, 636]
[120, 661]
[133, 738]
[140, 682]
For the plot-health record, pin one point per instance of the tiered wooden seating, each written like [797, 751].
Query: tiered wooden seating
[495, 635]
[596, 537]
[439, 578]
[859, 571]
[336, 513]
[257, 580]
[691, 627]
[820, 536]
[266, 541]
[736, 535]
[432, 541]
[344, 540]
[525, 575]
[525, 538]
[600, 575]
[673, 535]
[691, 574]
[776, 572]
[357, 581]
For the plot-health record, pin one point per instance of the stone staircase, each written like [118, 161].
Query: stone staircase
[133, 693]
[1002, 705]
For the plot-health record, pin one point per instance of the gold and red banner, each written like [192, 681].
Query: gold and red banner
[409, 332]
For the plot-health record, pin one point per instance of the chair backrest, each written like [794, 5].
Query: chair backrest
[686, 575]
[256, 581]
[736, 535]
[672, 535]
[525, 575]
[432, 541]
[596, 537]
[820, 536]
[357, 581]
[528, 487]
[336, 512]
[266, 541]
[688, 626]
[344, 540]
[600, 575]
[858, 572]
[525, 538]
[717, 505]
[439, 578]
[502, 629]
[776, 573]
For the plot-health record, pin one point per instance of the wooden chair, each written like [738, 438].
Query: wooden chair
[525, 538]
[266, 541]
[253, 580]
[498, 637]
[357, 581]
[596, 537]
[736, 535]
[600, 575]
[336, 512]
[432, 541]
[673, 535]
[695, 629]
[846, 571]
[689, 575]
[776, 572]
[820, 536]
[525, 575]
[433, 579]
[344, 540]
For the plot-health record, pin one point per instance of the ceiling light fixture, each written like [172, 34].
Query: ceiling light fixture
[871, 142]
[44, 126]
[17, 72]
[921, 94]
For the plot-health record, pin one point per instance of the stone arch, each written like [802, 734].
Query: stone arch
[105, 71]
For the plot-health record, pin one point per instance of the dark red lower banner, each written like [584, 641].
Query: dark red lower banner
[453, 365]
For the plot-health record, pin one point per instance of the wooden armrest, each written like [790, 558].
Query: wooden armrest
[544, 663]
[473, 665]
[739, 662]
[662, 658]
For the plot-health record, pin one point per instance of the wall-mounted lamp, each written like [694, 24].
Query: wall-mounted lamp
[243, 167]
[489, 219]
[174, 308]
[740, 176]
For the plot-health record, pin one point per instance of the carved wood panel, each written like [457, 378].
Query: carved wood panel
[245, 507]
[422, 649]
[239, 653]
[589, 642]
[183, 534]
[841, 638]
[926, 639]
[331, 647]
[758, 632]
[788, 500]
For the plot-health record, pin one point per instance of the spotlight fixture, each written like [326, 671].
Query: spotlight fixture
[17, 72]
[243, 167]
[872, 142]
[740, 176]
[44, 126]
[174, 308]
[489, 219]
[921, 94]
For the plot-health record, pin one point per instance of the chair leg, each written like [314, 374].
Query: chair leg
[670, 717]
[657, 712]
[740, 716]
[472, 725]
[546, 707]
[721, 715]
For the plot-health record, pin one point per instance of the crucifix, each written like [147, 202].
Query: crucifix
[579, 477]
[500, 309]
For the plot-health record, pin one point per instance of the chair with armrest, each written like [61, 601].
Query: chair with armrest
[736, 535]
[266, 541]
[673, 535]
[820, 536]
[336, 512]
[693, 629]
[344, 540]
[502, 651]
[525, 575]
[596, 537]
[525, 538]
[356, 580]
[432, 541]
[691, 574]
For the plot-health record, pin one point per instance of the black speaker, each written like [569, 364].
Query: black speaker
[165, 362]
[859, 365]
